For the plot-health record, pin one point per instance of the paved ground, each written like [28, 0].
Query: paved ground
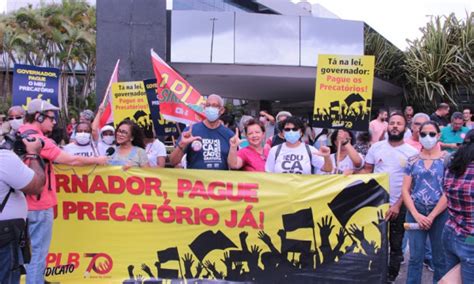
[402, 277]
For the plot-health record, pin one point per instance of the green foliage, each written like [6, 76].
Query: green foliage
[439, 65]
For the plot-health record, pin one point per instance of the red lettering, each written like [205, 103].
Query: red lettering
[184, 213]
[199, 190]
[85, 208]
[183, 186]
[68, 208]
[79, 183]
[139, 185]
[101, 211]
[211, 213]
[73, 258]
[116, 185]
[62, 181]
[248, 191]
[54, 259]
[149, 211]
[98, 185]
[136, 213]
[220, 193]
[113, 211]
[153, 184]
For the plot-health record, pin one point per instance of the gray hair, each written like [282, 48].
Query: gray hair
[420, 114]
[456, 115]
[17, 109]
[283, 113]
[219, 98]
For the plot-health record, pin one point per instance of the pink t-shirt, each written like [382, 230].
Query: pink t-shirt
[376, 129]
[253, 161]
[50, 152]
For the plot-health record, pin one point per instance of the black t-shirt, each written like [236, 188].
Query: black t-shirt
[441, 120]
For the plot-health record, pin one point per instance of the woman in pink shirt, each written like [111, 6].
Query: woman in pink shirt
[253, 157]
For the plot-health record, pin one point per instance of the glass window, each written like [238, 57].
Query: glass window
[266, 39]
[329, 36]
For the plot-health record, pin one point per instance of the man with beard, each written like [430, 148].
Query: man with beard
[390, 156]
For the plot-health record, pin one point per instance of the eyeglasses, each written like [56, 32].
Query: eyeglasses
[416, 123]
[124, 132]
[431, 134]
[53, 118]
[288, 129]
[15, 117]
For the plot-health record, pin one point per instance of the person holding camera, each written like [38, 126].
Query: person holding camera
[16, 180]
[39, 121]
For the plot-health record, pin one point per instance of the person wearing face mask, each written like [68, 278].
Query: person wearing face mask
[82, 145]
[279, 137]
[423, 196]
[16, 116]
[106, 144]
[296, 157]
[268, 122]
[206, 144]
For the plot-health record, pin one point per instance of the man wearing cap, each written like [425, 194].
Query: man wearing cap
[206, 144]
[39, 121]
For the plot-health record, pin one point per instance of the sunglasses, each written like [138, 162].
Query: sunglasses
[15, 117]
[53, 118]
[288, 129]
[431, 134]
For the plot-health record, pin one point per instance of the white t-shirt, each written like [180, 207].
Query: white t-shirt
[345, 164]
[78, 150]
[13, 173]
[102, 148]
[293, 160]
[155, 150]
[391, 160]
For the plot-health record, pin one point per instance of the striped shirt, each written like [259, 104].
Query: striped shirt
[460, 194]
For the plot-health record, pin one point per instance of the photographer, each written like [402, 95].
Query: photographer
[17, 179]
[39, 120]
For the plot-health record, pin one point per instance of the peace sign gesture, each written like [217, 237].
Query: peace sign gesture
[235, 140]
[187, 137]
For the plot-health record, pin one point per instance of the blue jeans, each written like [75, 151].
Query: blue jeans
[459, 249]
[417, 241]
[40, 227]
[9, 255]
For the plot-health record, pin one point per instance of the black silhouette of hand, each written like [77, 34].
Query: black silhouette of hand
[356, 232]
[282, 234]
[243, 235]
[264, 237]
[325, 227]
[380, 219]
[227, 261]
[253, 257]
[188, 260]
[199, 269]
[130, 271]
[139, 278]
[341, 235]
[147, 270]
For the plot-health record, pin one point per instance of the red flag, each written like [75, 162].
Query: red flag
[179, 101]
[107, 116]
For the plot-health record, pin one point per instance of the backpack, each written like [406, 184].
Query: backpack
[308, 150]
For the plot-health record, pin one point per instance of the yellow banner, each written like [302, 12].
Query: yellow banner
[129, 101]
[115, 226]
[343, 96]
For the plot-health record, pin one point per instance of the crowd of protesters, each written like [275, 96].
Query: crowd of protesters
[429, 160]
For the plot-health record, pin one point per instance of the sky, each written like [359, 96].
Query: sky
[396, 20]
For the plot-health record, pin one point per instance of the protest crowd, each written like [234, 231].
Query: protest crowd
[429, 158]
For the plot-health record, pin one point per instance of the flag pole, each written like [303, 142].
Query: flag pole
[315, 246]
[180, 269]
[109, 86]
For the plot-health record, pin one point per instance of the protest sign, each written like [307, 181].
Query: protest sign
[162, 126]
[31, 82]
[129, 101]
[112, 226]
[343, 97]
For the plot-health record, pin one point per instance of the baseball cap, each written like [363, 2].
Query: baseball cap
[39, 105]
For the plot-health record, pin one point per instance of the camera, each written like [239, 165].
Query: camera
[15, 143]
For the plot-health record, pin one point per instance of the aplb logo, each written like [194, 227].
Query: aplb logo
[59, 264]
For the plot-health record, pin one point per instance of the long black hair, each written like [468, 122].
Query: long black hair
[137, 133]
[463, 156]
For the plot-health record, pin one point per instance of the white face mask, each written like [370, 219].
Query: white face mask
[428, 142]
[16, 123]
[83, 138]
[108, 139]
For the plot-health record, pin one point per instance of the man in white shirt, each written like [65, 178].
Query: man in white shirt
[390, 156]
[16, 180]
